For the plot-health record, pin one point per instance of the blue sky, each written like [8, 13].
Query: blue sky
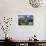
[25, 16]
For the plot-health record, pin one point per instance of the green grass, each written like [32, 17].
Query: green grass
[25, 22]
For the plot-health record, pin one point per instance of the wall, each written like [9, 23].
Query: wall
[45, 28]
[11, 8]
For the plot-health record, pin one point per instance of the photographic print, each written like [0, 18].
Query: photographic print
[25, 19]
